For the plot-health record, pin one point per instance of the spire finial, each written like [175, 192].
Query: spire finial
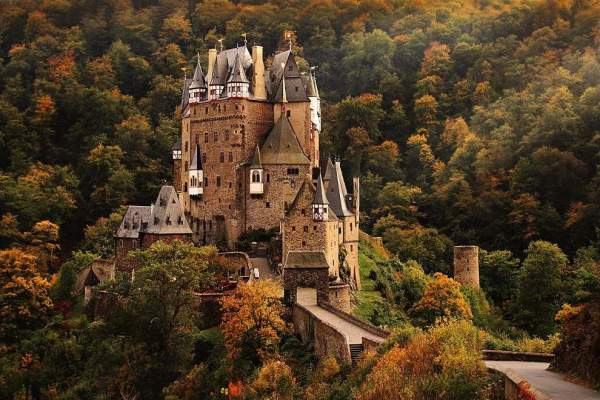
[284, 94]
[221, 43]
[245, 36]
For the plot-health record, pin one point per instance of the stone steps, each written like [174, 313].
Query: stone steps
[356, 351]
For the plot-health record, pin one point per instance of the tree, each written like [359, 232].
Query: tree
[442, 299]
[24, 294]
[499, 272]
[274, 381]
[253, 317]
[539, 289]
[98, 238]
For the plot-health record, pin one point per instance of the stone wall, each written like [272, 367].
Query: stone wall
[339, 297]
[280, 190]
[327, 340]
[294, 278]
[355, 321]
[122, 248]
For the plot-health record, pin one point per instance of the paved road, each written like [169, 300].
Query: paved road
[264, 269]
[550, 383]
[353, 332]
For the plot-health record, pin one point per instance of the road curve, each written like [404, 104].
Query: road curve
[550, 383]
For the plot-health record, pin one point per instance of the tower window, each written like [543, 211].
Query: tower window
[206, 137]
[255, 176]
[216, 136]
[205, 182]
[218, 181]
[226, 135]
[293, 228]
[305, 228]
[230, 158]
[350, 226]
[293, 171]
[203, 157]
[205, 110]
[303, 243]
[288, 113]
[268, 178]
[186, 166]
[186, 145]
[197, 138]
[222, 157]
[268, 204]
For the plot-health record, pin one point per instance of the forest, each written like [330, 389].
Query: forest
[468, 122]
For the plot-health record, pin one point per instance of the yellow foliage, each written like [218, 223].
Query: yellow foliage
[275, 380]
[255, 309]
[442, 299]
[447, 354]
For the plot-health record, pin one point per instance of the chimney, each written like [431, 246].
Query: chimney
[466, 265]
[258, 77]
[212, 57]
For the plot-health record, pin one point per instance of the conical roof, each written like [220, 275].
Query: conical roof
[329, 171]
[282, 146]
[196, 163]
[198, 81]
[256, 159]
[238, 75]
[320, 196]
[311, 87]
[336, 192]
[216, 77]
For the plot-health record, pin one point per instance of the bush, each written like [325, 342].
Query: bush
[443, 363]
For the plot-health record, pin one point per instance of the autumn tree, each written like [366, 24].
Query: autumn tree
[253, 321]
[24, 293]
[442, 299]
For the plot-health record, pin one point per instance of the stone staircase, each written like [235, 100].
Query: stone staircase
[356, 351]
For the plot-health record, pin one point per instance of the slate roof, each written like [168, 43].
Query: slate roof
[284, 67]
[306, 259]
[336, 190]
[165, 216]
[198, 80]
[256, 162]
[185, 94]
[320, 196]
[237, 75]
[309, 190]
[282, 146]
[329, 170]
[311, 86]
[133, 222]
[196, 163]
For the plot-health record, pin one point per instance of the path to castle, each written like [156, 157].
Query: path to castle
[550, 383]
[353, 332]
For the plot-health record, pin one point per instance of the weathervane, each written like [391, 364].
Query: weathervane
[245, 36]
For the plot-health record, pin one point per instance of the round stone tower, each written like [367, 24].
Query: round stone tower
[466, 265]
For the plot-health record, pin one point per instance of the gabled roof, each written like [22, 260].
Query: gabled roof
[336, 192]
[320, 196]
[284, 67]
[198, 81]
[256, 163]
[306, 259]
[98, 271]
[282, 146]
[308, 191]
[219, 76]
[167, 214]
[196, 163]
[134, 219]
[237, 75]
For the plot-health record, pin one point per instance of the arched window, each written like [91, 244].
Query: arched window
[255, 176]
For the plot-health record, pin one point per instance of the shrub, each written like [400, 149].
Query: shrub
[443, 363]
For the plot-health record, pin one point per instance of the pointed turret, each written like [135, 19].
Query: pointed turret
[196, 174]
[198, 85]
[320, 202]
[336, 191]
[256, 174]
[216, 84]
[329, 172]
[238, 84]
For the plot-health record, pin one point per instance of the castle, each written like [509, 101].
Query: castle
[248, 159]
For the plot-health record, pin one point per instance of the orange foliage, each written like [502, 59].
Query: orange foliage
[62, 65]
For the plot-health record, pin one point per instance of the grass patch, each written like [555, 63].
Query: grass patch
[367, 298]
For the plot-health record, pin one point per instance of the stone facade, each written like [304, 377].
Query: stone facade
[266, 127]
[340, 297]
[466, 265]
[305, 278]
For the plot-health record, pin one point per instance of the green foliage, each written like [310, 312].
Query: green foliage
[62, 289]
[540, 286]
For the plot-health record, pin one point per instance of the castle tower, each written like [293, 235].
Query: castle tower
[238, 84]
[466, 265]
[197, 89]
